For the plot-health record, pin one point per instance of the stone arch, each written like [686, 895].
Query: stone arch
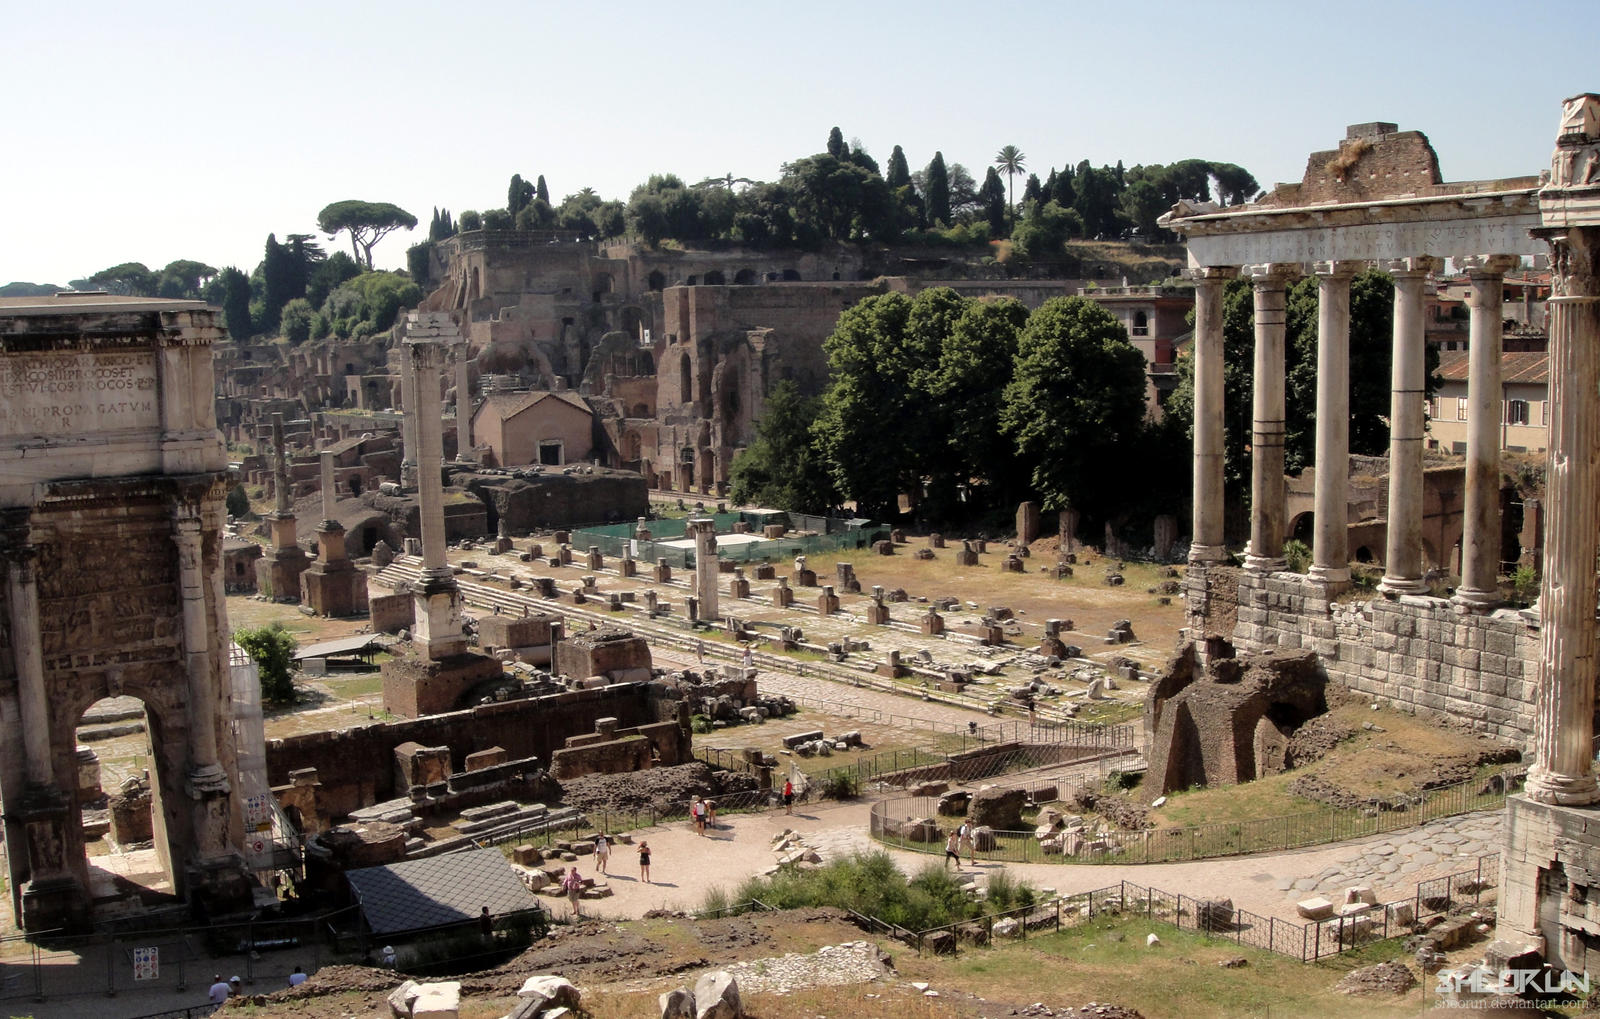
[791, 276]
[1363, 555]
[1302, 527]
[744, 277]
[657, 280]
[714, 278]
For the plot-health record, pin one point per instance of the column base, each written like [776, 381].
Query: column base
[1562, 790]
[1209, 554]
[1330, 574]
[1265, 564]
[1394, 587]
[54, 903]
[1467, 599]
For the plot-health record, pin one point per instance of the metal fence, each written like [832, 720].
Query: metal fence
[1206, 841]
[1307, 941]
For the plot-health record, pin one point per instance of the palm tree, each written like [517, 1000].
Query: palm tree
[1013, 162]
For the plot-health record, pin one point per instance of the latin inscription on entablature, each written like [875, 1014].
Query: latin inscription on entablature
[1368, 241]
[73, 393]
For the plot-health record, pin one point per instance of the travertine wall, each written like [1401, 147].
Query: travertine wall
[1417, 653]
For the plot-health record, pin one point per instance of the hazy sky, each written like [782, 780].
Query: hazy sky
[153, 131]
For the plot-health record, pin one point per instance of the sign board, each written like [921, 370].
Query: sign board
[146, 963]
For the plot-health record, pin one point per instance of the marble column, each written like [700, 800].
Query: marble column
[426, 362]
[1267, 493]
[705, 565]
[1403, 564]
[1330, 550]
[408, 419]
[1562, 772]
[283, 502]
[22, 598]
[1480, 540]
[1207, 541]
[330, 495]
[205, 774]
[463, 399]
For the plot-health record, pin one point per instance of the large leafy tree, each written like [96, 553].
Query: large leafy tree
[868, 426]
[518, 194]
[899, 173]
[836, 146]
[132, 279]
[272, 648]
[975, 365]
[366, 222]
[1010, 162]
[231, 291]
[782, 467]
[1076, 403]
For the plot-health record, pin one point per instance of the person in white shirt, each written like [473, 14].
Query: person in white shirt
[219, 990]
[298, 977]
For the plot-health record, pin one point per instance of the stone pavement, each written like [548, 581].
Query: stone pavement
[1440, 847]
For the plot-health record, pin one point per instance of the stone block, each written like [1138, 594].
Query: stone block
[1315, 908]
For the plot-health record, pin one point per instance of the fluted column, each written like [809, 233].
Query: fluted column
[22, 598]
[1267, 511]
[1208, 546]
[1564, 699]
[205, 774]
[1480, 541]
[1330, 550]
[1408, 391]
[705, 565]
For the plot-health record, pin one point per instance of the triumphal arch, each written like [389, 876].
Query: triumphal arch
[112, 478]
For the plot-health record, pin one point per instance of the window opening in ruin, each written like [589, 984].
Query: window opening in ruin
[744, 277]
[550, 452]
[1363, 554]
[714, 278]
[1301, 528]
[693, 281]
[657, 281]
[793, 276]
[685, 380]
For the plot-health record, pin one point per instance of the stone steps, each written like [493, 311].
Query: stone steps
[505, 819]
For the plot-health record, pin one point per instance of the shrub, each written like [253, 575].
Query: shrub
[238, 502]
[1297, 555]
[700, 724]
[272, 648]
[841, 785]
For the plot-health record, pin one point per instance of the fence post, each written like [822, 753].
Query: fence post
[111, 976]
[1058, 914]
[38, 975]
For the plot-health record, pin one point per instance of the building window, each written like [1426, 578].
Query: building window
[1141, 324]
[1461, 409]
[1516, 412]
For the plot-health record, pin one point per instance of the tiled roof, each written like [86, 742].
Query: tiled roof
[445, 889]
[1516, 367]
[508, 405]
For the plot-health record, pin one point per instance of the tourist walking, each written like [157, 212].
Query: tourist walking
[219, 990]
[952, 849]
[711, 813]
[602, 852]
[788, 796]
[965, 832]
[644, 861]
[485, 923]
[572, 884]
[697, 812]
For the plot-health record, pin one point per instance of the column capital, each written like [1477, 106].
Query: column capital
[1272, 273]
[1417, 265]
[1487, 265]
[1211, 273]
[1340, 268]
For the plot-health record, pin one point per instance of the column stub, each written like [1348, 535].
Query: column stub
[1207, 542]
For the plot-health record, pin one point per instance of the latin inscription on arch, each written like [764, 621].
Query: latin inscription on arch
[73, 394]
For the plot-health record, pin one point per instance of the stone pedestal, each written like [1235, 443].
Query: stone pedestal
[827, 602]
[595, 561]
[414, 685]
[783, 594]
[278, 572]
[877, 613]
[932, 624]
[662, 572]
[333, 585]
[628, 568]
[1550, 882]
[52, 897]
[739, 586]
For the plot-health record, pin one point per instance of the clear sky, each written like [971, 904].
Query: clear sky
[157, 130]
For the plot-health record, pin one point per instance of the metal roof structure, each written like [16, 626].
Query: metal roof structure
[341, 646]
[416, 894]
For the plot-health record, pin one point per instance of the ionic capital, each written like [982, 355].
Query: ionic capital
[1340, 268]
[1272, 274]
[1420, 265]
[1487, 265]
[1212, 273]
